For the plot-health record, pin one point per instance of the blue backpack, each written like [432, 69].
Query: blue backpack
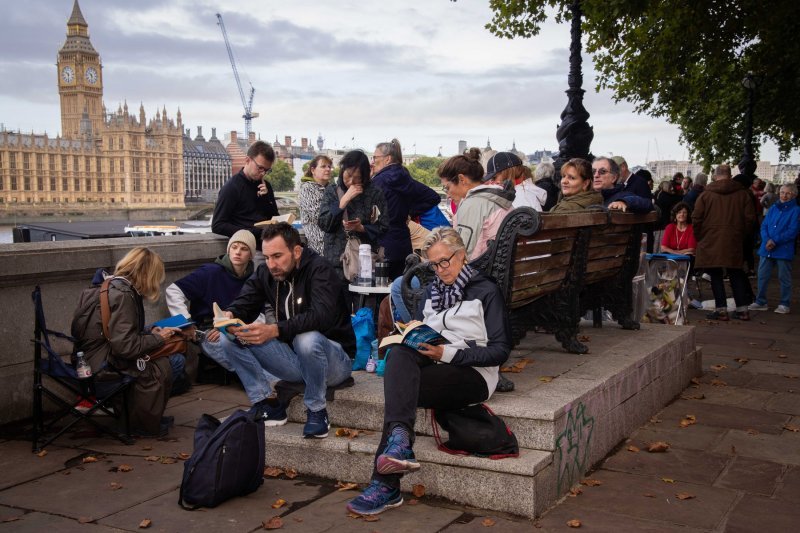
[228, 460]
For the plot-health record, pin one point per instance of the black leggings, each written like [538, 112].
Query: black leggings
[412, 380]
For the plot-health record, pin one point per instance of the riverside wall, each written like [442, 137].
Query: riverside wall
[63, 269]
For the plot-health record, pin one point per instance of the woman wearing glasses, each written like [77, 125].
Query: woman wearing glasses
[309, 199]
[468, 310]
[576, 187]
[352, 206]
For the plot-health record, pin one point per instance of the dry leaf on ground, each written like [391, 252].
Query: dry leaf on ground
[41, 453]
[584, 338]
[280, 502]
[347, 432]
[792, 428]
[684, 496]
[546, 379]
[488, 522]
[718, 383]
[85, 519]
[742, 360]
[341, 485]
[717, 368]
[655, 420]
[575, 491]
[115, 485]
[696, 381]
[273, 523]
[183, 456]
[589, 482]
[353, 515]
[152, 458]
[633, 448]
[290, 473]
[144, 524]
[649, 495]
[124, 468]
[271, 471]
[667, 480]
[752, 431]
[89, 459]
[688, 421]
[147, 448]
[574, 523]
[418, 491]
[167, 461]
[372, 518]
[657, 447]
[782, 356]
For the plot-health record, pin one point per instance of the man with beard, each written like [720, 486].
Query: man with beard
[308, 337]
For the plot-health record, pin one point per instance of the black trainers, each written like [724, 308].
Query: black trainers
[317, 424]
[272, 411]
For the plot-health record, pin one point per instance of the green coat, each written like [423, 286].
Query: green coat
[578, 202]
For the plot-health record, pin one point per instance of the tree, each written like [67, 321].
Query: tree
[685, 62]
[423, 169]
[282, 176]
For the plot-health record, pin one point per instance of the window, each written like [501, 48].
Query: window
[26, 161]
[14, 184]
[77, 185]
[64, 165]
[40, 161]
[12, 160]
[88, 162]
[64, 186]
[52, 183]
[27, 183]
[75, 163]
[39, 183]
[52, 161]
[99, 187]
[88, 185]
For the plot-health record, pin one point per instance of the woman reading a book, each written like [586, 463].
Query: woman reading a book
[468, 311]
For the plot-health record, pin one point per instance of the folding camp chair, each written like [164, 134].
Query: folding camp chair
[64, 375]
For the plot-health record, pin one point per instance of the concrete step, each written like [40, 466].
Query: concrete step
[510, 485]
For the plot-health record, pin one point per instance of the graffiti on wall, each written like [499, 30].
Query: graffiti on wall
[572, 447]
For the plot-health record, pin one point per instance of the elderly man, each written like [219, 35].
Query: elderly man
[605, 173]
[697, 189]
[635, 183]
[723, 217]
[778, 233]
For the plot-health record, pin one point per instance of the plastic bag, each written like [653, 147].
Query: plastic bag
[364, 328]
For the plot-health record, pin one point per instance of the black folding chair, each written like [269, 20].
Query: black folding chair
[49, 362]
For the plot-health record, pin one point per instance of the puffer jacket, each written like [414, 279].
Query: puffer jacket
[781, 226]
[723, 216]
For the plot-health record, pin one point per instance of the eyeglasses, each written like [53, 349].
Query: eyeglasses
[444, 264]
[374, 157]
[263, 170]
[601, 171]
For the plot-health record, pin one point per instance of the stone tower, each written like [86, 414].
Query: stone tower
[80, 79]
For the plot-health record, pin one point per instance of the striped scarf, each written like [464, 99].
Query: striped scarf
[446, 296]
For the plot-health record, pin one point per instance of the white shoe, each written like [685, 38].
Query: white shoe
[758, 307]
[706, 277]
[782, 309]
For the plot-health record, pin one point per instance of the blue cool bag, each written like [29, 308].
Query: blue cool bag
[364, 328]
[228, 460]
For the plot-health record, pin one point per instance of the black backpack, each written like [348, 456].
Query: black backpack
[474, 430]
[228, 460]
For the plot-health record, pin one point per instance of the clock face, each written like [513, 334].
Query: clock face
[91, 75]
[67, 74]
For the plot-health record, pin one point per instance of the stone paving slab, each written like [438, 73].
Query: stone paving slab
[742, 349]
[238, 514]
[691, 466]
[468, 523]
[758, 513]
[189, 412]
[789, 488]
[90, 484]
[599, 520]
[729, 395]
[38, 522]
[179, 440]
[695, 437]
[726, 416]
[784, 402]
[751, 475]
[19, 465]
[775, 383]
[767, 447]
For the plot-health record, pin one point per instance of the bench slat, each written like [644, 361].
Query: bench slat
[524, 296]
[530, 248]
[612, 264]
[607, 251]
[608, 239]
[553, 262]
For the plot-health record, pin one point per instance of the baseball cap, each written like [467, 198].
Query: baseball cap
[500, 162]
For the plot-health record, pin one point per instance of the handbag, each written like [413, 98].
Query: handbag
[349, 258]
[474, 430]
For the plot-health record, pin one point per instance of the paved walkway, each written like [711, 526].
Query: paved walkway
[735, 466]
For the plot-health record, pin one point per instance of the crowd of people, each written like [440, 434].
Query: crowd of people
[292, 295]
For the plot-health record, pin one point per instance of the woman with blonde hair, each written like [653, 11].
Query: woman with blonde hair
[138, 275]
[466, 308]
[576, 187]
[309, 199]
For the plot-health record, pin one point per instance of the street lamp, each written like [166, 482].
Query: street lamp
[747, 165]
[574, 134]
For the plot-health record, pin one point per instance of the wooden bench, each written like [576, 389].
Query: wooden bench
[551, 267]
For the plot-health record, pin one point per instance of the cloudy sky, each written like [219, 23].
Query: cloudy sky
[357, 71]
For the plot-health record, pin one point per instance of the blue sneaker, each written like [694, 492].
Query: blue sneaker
[272, 412]
[375, 499]
[397, 457]
[317, 424]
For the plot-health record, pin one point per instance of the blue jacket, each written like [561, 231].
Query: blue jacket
[210, 283]
[405, 197]
[635, 203]
[781, 226]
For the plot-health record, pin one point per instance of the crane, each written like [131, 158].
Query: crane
[248, 103]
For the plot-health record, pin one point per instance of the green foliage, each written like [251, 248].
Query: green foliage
[685, 61]
[282, 176]
[424, 168]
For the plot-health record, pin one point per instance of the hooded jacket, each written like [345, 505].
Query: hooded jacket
[405, 197]
[312, 298]
[529, 195]
[723, 216]
[552, 192]
[579, 201]
[479, 216]
[239, 207]
[781, 226]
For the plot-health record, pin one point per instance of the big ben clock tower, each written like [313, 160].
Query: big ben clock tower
[80, 78]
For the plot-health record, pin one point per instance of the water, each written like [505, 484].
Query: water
[6, 236]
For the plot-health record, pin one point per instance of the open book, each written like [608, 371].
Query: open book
[177, 321]
[288, 218]
[414, 334]
[221, 322]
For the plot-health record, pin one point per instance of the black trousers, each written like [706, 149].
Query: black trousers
[740, 285]
[412, 380]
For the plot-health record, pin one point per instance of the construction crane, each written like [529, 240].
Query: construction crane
[248, 103]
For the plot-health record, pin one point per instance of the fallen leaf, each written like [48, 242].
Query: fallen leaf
[89, 459]
[589, 482]
[85, 519]
[147, 448]
[546, 379]
[271, 471]
[511, 369]
[649, 495]
[418, 491]
[684, 496]
[696, 381]
[633, 448]
[41, 453]
[717, 368]
[790, 427]
[413, 501]
[347, 432]
[124, 468]
[688, 421]
[183, 456]
[341, 485]
[290, 473]
[353, 515]
[280, 502]
[372, 518]
[718, 383]
[742, 360]
[144, 524]
[115, 485]
[782, 356]
[273, 523]
[753, 431]
[657, 447]
[667, 480]
[753, 343]
[575, 491]
[151, 458]
[487, 522]
[584, 338]
[298, 519]
[698, 396]
[655, 420]
[167, 461]
[574, 523]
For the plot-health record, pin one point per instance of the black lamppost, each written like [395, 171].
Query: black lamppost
[574, 134]
[747, 165]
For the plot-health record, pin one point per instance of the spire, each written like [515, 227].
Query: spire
[77, 16]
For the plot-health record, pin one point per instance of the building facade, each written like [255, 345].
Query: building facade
[206, 166]
[100, 158]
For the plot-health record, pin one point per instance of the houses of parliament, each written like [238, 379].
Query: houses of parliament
[102, 158]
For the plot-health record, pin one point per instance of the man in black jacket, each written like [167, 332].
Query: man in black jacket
[247, 197]
[308, 336]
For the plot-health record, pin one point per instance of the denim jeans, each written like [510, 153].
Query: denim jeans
[312, 359]
[401, 312]
[765, 266]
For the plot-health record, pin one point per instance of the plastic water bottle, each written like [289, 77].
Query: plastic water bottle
[365, 265]
[82, 368]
